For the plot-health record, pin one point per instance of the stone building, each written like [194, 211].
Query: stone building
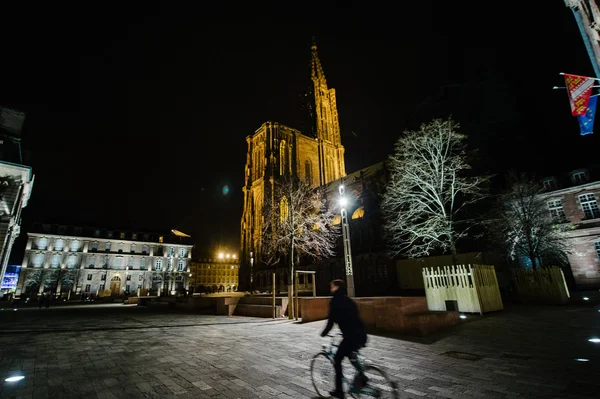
[276, 150]
[16, 182]
[573, 201]
[215, 275]
[93, 261]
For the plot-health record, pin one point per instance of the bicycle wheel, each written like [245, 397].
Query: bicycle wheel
[322, 374]
[379, 385]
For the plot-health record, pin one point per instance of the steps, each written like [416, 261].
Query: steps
[254, 306]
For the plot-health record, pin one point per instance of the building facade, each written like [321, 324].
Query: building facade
[573, 202]
[98, 262]
[16, 182]
[587, 16]
[276, 150]
[215, 275]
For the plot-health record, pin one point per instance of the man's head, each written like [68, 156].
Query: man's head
[337, 285]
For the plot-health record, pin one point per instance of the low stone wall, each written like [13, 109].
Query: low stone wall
[404, 315]
[313, 309]
[215, 305]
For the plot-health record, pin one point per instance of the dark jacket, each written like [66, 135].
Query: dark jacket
[344, 312]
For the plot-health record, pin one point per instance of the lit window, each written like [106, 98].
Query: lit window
[75, 245]
[59, 244]
[122, 235]
[132, 248]
[282, 163]
[171, 251]
[180, 265]
[121, 247]
[359, 213]
[590, 206]
[42, 243]
[556, 210]
[160, 239]
[182, 252]
[158, 264]
[284, 210]
[95, 246]
[108, 247]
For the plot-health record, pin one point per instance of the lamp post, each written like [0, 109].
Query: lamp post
[347, 246]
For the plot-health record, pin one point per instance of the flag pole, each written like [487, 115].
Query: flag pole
[564, 87]
[589, 77]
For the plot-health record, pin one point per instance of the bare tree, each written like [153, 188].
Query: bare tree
[297, 223]
[429, 187]
[526, 227]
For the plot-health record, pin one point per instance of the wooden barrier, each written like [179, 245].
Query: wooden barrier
[473, 287]
[542, 286]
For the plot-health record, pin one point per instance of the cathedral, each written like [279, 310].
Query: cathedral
[276, 150]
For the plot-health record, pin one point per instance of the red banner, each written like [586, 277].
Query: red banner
[580, 90]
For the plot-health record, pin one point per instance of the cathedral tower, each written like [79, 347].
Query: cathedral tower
[331, 151]
[274, 151]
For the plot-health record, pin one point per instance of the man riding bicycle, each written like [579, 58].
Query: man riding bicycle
[344, 312]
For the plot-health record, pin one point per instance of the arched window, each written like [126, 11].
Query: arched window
[359, 213]
[282, 153]
[308, 172]
[284, 209]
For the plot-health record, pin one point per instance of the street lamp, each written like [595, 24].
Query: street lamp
[346, 239]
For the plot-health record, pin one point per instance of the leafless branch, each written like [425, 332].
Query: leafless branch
[429, 186]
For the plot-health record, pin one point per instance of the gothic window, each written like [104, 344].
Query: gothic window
[282, 163]
[308, 172]
[284, 210]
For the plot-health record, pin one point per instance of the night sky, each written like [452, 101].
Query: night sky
[137, 115]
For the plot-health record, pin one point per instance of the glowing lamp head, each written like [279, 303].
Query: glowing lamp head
[228, 256]
[343, 202]
[220, 256]
[14, 379]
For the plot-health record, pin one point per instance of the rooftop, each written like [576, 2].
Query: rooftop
[172, 237]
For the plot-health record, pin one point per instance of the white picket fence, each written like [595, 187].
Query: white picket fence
[474, 287]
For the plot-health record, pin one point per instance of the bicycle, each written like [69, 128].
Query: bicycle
[378, 383]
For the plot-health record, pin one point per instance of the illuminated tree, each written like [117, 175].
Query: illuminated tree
[297, 223]
[429, 188]
[526, 228]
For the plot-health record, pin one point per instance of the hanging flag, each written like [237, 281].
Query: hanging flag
[580, 90]
[586, 122]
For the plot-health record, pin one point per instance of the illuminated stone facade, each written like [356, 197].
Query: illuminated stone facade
[275, 150]
[96, 262]
[214, 275]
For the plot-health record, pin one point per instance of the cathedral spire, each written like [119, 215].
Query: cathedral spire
[318, 76]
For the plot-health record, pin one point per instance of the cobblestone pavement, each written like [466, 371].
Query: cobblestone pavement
[132, 352]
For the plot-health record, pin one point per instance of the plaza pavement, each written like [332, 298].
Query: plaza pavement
[117, 351]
